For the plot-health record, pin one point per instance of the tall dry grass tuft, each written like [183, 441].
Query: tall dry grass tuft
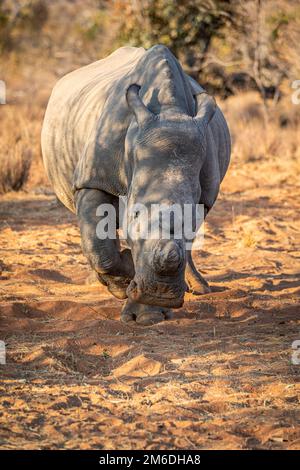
[16, 155]
[15, 166]
[20, 148]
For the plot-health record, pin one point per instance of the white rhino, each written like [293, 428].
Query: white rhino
[134, 124]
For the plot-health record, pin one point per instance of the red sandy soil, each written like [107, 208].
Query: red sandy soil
[218, 375]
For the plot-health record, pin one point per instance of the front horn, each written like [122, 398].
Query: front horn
[135, 103]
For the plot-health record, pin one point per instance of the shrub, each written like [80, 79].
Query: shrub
[20, 20]
[187, 27]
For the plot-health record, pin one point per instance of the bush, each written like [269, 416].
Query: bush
[187, 27]
[19, 20]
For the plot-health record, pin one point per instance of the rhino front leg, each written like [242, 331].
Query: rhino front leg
[114, 268]
[197, 285]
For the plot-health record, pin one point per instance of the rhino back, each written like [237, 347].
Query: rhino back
[72, 116]
[85, 126]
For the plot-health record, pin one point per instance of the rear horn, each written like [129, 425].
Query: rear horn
[135, 103]
[206, 108]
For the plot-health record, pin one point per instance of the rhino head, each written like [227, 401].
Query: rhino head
[165, 153]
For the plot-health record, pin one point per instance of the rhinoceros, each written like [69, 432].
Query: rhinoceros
[135, 124]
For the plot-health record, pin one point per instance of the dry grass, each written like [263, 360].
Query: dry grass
[253, 138]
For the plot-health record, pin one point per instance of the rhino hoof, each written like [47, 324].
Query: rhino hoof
[150, 318]
[200, 289]
[144, 315]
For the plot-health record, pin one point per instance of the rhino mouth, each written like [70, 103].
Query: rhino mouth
[162, 294]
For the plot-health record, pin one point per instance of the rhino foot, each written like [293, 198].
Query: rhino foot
[197, 285]
[144, 314]
[116, 285]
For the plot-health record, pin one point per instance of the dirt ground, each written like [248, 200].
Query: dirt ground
[218, 375]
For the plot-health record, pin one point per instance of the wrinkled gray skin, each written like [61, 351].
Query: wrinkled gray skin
[158, 139]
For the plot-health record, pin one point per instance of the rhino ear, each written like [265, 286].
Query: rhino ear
[206, 108]
[135, 103]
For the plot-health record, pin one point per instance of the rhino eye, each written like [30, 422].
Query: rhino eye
[136, 214]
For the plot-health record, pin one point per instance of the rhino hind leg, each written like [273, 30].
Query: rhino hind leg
[197, 285]
[144, 315]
